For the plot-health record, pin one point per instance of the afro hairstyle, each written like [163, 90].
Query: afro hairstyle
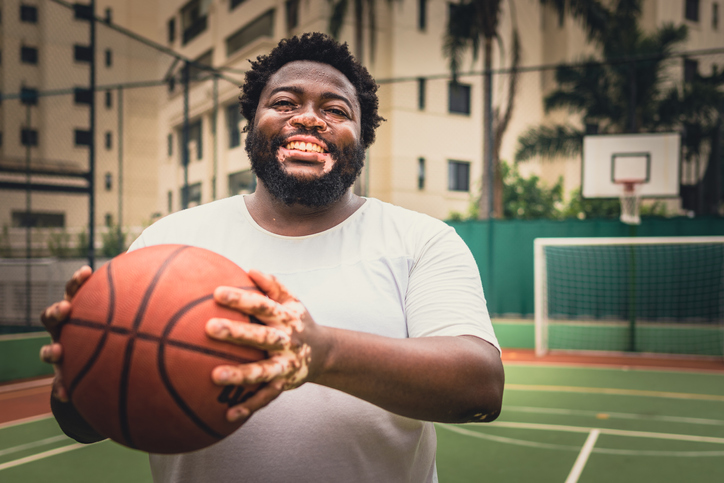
[317, 47]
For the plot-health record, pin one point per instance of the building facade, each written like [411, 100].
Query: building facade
[45, 124]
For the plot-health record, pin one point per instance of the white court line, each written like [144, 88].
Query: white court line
[608, 414]
[583, 457]
[34, 444]
[26, 385]
[614, 432]
[614, 391]
[40, 456]
[560, 447]
[31, 419]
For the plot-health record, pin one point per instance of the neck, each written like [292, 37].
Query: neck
[298, 220]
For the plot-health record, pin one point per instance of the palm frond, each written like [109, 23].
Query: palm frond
[339, 11]
[549, 142]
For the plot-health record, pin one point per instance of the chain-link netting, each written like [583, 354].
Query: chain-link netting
[47, 170]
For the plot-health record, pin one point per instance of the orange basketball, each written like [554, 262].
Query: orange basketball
[136, 359]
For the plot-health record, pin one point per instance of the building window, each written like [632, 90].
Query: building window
[192, 195]
[109, 15]
[169, 201]
[28, 55]
[171, 29]
[108, 220]
[29, 13]
[29, 96]
[82, 96]
[421, 85]
[421, 14]
[691, 69]
[242, 182]
[109, 99]
[292, 8]
[195, 146]
[194, 16]
[109, 140]
[29, 137]
[108, 181]
[234, 118]
[235, 3]
[262, 26]
[420, 173]
[82, 53]
[83, 137]
[109, 58]
[691, 10]
[169, 147]
[715, 16]
[458, 177]
[458, 98]
[37, 219]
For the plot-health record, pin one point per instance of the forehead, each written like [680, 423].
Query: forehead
[310, 76]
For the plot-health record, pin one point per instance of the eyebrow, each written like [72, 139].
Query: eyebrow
[298, 90]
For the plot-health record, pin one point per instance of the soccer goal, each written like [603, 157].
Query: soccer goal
[662, 295]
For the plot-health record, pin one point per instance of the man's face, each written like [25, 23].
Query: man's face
[305, 144]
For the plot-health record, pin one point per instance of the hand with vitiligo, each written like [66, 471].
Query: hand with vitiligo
[285, 333]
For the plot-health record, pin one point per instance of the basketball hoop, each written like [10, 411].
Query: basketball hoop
[630, 201]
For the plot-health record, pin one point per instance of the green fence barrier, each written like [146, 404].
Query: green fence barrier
[20, 357]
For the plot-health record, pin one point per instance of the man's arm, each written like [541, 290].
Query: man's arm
[450, 379]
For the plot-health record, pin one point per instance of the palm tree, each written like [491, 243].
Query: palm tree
[339, 13]
[622, 92]
[473, 24]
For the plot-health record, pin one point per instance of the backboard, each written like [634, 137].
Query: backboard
[651, 161]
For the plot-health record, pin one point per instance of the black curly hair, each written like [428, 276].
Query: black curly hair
[316, 47]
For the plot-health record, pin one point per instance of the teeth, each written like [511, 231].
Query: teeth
[302, 146]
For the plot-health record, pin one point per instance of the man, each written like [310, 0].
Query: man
[375, 321]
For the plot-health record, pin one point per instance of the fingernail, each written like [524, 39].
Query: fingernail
[239, 414]
[222, 375]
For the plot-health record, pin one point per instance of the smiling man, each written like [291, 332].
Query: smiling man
[374, 317]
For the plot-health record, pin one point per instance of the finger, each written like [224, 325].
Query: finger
[245, 333]
[254, 372]
[270, 286]
[78, 279]
[263, 397]
[252, 303]
[53, 316]
[51, 353]
[59, 391]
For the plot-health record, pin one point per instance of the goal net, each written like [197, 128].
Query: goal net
[651, 295]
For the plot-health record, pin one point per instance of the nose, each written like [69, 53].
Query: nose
[308, 119]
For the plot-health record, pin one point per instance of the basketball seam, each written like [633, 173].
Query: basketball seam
[154, 338]
[101, 343]
[167, 380]
[128, 355]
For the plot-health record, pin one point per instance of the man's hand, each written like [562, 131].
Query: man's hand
[52, 318]
[286, 335]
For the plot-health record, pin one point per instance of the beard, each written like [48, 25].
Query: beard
[289, 189]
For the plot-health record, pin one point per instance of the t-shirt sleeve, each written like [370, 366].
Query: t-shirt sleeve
[445, 294]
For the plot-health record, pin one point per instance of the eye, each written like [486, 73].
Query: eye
[283, 104]
[337, 112]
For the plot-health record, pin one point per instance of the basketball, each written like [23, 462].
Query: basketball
[136, 359]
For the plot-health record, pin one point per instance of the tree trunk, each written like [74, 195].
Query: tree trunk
[486, 196]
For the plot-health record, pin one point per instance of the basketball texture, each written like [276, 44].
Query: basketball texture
[136, 359]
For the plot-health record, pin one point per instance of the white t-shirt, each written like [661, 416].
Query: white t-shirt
[384, 270]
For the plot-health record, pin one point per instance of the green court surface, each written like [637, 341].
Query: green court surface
[559, 424]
